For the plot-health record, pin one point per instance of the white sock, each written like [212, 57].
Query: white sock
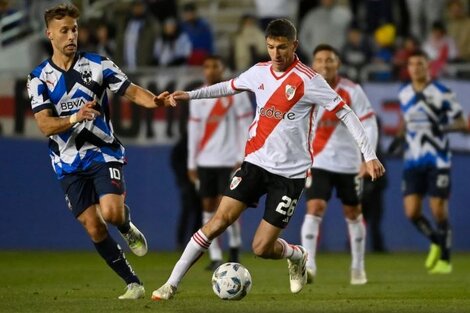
[193, 251]
[357, 239]
[309, 233]
[215, 252]
[291, 252]
[234, 235]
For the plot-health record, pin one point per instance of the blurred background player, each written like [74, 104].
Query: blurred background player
[217, 133]
[337, 165]
[430, 111]
[69, 102]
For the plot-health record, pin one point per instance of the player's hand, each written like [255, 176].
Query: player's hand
[363, 170]
[375, 169]
[87, 112]
[192, 175]
[163, 99]
[179, 95]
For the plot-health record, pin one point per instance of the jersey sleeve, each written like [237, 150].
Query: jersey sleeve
[319, 92]
[244, 81]
[244, 115]
[364, 111]
[38, 96]
[194, 133]
[452, 105]
[113, 78]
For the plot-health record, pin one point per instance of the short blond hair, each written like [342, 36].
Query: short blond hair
[60, 11]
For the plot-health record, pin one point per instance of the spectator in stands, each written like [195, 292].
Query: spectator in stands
[268, 10]
[249, 44]
[199, 32]
[139, 36]
[173, 47]
[325, 24]
[384, 41]
[356, 52]
[422, 14]
[400, 59]
[163, 9]
[105, 45]
[440, 48]
[459, 28]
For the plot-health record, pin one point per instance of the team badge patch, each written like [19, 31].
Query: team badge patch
[235, 182]
[86, 76]
[290, 92]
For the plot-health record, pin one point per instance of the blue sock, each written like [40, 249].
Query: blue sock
[115, 258]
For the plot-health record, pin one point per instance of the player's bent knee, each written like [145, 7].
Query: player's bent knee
[261, 250]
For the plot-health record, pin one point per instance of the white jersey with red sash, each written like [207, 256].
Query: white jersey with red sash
[217, 130]
[333, 146]
[280, 136]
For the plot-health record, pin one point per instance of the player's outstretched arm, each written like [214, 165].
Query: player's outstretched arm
[373, 166]
[51, 125]
[147, 99]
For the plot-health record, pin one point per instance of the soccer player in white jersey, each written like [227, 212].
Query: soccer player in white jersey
[430, 111]
[217, 132]
[277, 153]
[337, 165]
[69, 102]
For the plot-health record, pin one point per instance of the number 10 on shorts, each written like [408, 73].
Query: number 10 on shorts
[114, 173]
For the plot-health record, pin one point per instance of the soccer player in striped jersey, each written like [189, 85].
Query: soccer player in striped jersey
[338, 165]
[69, 102]
[430, 111]
[277, 153]
[217, 132]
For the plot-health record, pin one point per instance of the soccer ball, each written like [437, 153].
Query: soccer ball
[231, 281]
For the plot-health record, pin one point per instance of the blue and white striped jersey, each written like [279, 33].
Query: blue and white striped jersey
[425, 113]
[64, 93]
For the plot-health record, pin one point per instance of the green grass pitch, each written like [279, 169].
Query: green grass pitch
[80, 282]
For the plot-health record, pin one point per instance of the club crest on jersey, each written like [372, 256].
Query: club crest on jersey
[290, 92]
[86, 76]
[235, 182]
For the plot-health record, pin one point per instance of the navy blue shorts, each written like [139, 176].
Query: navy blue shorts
[85, 188]
[429, 180]
[250, 182]
[348, 186]
[213, 180]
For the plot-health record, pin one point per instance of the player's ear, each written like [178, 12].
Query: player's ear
[48, 34]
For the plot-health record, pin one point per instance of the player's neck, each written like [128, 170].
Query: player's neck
[63, 61]
[419, 85]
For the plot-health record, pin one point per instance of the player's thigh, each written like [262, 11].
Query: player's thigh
[110, 186]
[281, 199]
[349, 189]
[227, 213]
[319, 185]
[79, 193]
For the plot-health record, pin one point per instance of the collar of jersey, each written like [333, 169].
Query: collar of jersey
[75, 59]
[296, 60]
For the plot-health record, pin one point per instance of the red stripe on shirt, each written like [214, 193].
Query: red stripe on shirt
[217, 114]
[304, 71]
[365, 117]
[327, 124]
[278, 102]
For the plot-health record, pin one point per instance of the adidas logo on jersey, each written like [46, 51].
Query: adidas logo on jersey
[261, 87]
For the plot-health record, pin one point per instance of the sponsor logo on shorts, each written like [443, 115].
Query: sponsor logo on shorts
[235, 181]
